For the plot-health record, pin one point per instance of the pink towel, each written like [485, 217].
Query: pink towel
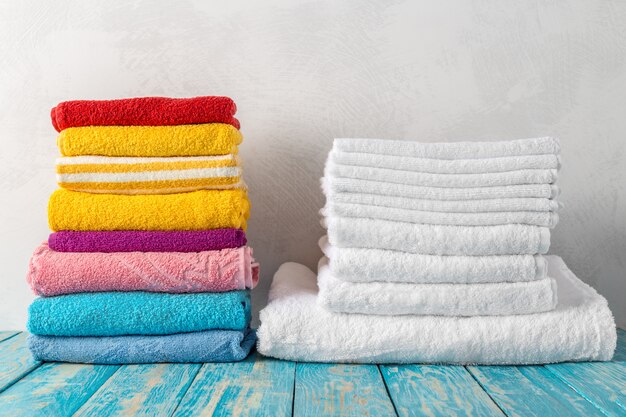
[55, 273]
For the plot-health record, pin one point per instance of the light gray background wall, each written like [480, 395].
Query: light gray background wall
[303, 72]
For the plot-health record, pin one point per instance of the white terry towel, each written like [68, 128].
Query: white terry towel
[523, 176]
[353, 185]
[509, 239]
[447, 206]
[536, 218]
[444, 166]
[392, 298]
[450, 150]
[295, 327]
[379, 265]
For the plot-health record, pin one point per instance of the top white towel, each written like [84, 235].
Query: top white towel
[451, 150]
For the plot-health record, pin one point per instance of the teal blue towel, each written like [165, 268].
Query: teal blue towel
[138, 313]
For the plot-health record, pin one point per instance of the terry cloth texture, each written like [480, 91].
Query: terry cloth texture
[491, 179]
[379, 265]
[138, 313]
[333, 186]
[144, 111]
[451, 150]
[55, 273]
[294, 327]
[156, 141]
[146, 240]
[447, 206]
[444, 166]
[536, 218]
[204, 346]
[391, 298]
[127, 175]
[197, 210]
[509, 239]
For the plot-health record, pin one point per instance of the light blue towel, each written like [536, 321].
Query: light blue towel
[138, 313]
[206, 346]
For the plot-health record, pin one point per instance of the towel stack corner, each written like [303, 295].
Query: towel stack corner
[147, 260]
[435, 252]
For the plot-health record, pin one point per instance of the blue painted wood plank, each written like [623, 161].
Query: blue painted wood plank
[340, 390]
[6, 335]
[602, 383]
[526, 391]
[141, 390]
[15, 360]
[256, 386]
[432, 390]
[54, 389]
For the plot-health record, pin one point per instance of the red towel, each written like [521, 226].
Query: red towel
[144, 111]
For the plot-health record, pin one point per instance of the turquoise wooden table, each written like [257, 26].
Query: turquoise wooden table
[262, 386]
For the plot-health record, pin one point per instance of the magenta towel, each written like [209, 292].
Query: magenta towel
[55, 273]
[147, 240]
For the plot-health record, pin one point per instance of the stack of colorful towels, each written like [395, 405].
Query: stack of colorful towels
[435, 252]
[148, 260]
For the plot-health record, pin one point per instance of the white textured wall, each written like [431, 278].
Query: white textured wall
[307, 71]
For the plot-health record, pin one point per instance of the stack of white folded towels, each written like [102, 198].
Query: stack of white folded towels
[435, 253]
[453, 229]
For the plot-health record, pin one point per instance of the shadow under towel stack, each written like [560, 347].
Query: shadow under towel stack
[435, 253]
[148, 260]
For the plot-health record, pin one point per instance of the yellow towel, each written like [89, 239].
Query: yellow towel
[198, 210]
[151, 175]
[181, 140]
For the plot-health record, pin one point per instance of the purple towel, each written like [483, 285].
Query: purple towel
[146, 240]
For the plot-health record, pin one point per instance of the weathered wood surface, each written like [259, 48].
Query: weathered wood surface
[431, 390]
[256, 386]
[260, 386]
[340, 390]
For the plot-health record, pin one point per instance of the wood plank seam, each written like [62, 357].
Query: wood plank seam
[485, 390]
[96, 390]
[20, 377]
[293, 389]
[9, 337]
[182, 397]
[380, 373]
[582, 394]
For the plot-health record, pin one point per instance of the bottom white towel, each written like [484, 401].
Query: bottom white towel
[393, 298]
[295, 327]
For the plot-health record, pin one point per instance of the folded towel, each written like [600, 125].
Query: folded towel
[204, 346]
[295, 327]
[444, 166]
[146, 240]
[144, 111]
[333, 186]
[126, 175]
[183, 140]
[392, 298]
[491, 179]
[448, 206]
[450, 150]
[55, 273]
[536, 218]
[379, 265]
[138, 313]
[509, 239]
[197, 210]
